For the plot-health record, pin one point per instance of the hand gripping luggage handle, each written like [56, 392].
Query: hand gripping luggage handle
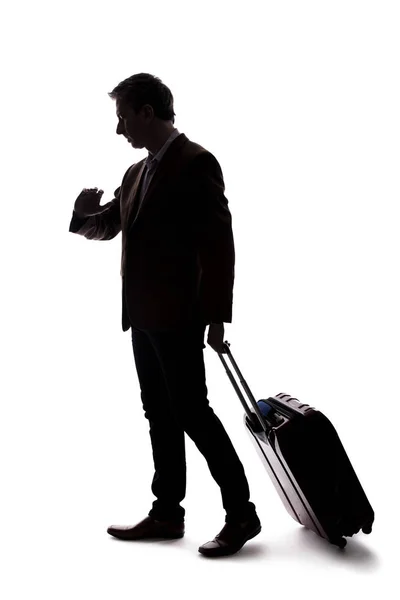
[260, 417]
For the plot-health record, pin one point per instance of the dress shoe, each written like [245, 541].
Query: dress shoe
[148, 528]
[231, 538]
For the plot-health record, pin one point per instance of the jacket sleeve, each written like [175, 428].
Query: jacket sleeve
[212, 223]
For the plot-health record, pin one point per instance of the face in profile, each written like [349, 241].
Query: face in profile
[132, 126]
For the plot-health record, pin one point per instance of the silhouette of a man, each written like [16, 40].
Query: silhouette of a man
[177, 269]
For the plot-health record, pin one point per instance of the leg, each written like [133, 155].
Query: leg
[180, 353]
[167, 435]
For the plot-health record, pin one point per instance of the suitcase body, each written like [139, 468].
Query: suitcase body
[307, 463]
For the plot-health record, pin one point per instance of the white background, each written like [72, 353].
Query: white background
[299, 102]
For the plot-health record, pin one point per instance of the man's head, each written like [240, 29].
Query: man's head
[145, 111]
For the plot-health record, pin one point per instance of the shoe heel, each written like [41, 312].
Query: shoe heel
[256, 532]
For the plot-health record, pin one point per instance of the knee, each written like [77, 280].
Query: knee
[193, 418]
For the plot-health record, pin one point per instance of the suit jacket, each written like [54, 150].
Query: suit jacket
[178, 254]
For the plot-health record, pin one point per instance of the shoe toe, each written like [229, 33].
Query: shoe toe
[231, 539]
[148, 528]
[216, 547]
[209, 546]
[119, 527]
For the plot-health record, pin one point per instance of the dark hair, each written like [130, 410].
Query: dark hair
[143, 88]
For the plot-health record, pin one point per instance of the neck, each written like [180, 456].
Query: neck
[159, 138]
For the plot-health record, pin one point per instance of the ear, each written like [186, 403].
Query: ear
[148, 111]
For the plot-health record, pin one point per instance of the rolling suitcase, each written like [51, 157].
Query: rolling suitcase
[306, 462]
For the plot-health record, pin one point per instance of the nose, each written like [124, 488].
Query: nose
[120, 129]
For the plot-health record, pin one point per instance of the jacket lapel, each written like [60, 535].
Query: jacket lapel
[166, 168]
[133, 196]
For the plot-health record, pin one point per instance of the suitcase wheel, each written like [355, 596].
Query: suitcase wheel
[341, 542]
[367, 528]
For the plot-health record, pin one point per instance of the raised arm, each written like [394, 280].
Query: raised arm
[102, 226]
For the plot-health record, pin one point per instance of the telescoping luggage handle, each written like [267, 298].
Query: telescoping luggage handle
[260, 417]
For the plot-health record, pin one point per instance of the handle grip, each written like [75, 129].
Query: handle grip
[262, 419]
